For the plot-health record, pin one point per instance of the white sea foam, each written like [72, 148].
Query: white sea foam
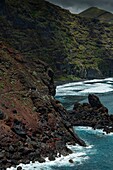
[109, 79]
[85, 87]
[70, 84]
[86, 128]
[98, 88]
[78, 156]
[89, 129]
[98, 132]
[94, 80]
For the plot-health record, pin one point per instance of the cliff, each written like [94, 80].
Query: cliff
[73, 46]
[33, 125]
[32, 122]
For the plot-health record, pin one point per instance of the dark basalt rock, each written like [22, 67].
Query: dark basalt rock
[51, 157]
[18, 128]
[19, 168]
[94, 101]
[92, 114]
[71, 161]
[40, 159]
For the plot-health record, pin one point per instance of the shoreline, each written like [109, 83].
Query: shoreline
[58, 106]
[70, 159]
[61, 82]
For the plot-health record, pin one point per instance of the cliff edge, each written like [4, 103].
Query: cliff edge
[32, 122]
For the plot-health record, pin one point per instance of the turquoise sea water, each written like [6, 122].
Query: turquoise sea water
[98, 155]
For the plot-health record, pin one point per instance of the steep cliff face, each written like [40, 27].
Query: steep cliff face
[74, 47]
[32, 122]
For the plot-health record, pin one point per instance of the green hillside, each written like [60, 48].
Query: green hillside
[96, 13]
[73, 46]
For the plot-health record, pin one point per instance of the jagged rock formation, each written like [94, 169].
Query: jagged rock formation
[74, 47]
[92, 114]
[32, 122]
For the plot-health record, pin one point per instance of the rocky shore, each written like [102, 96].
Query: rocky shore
[93, 114]
[33, 124]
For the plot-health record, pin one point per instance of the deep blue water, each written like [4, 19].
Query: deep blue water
[101, 154]
[98, 155]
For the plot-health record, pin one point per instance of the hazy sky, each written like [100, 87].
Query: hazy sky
[76, 6]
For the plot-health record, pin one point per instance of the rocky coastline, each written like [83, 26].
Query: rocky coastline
[93, 114]
[33, 124]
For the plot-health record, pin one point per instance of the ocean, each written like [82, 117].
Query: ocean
[98, 155]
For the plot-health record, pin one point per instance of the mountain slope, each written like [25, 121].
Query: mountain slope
[74, 47]
[32, 122]
[96, 13]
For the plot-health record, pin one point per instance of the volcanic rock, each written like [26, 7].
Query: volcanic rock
[93, 114]
[28, 134]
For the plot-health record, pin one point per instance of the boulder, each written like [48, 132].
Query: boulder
[19, 168]
[94, 101]
[18, 128]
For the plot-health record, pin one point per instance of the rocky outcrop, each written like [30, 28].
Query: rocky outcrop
[32, 123]
[92, 114]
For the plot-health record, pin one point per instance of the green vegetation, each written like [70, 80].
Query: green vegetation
[70, 44]
[97, 13]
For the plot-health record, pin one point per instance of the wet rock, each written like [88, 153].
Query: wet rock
[51, 157]
[71, 161]
[40, 160]
[92, 114]
[64, 152]
[94, 101]
[26, 162]
[19, 168]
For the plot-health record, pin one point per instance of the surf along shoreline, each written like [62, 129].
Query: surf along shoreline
[93, 113]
